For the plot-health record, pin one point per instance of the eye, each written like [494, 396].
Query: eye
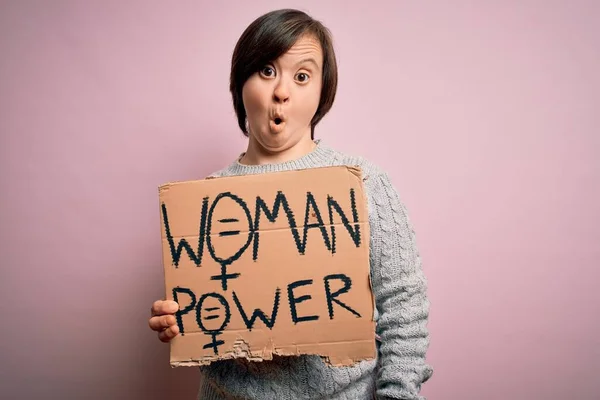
[267, 71]
[302, 77]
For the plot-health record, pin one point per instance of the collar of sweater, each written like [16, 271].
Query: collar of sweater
[320, 156]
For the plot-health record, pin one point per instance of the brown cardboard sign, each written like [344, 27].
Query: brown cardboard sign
[267, 264]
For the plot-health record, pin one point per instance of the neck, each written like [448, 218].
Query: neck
[256, 154]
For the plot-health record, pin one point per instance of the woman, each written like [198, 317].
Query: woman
[283, 81]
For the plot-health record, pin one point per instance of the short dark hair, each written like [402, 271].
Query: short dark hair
[267, 38]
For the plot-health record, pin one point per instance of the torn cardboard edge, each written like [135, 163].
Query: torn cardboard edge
[242, 351]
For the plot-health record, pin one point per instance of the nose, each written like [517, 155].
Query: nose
[281, 94]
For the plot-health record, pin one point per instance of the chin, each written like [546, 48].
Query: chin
[276, 142]
[276, 145]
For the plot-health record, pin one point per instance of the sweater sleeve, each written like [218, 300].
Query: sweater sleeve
[400, 290]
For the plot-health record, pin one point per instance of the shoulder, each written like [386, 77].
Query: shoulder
[218, 174]
[376, 181]
[370, 170]
[225, 171]
[381, 192]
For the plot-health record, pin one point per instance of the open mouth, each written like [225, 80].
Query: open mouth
[277, 121]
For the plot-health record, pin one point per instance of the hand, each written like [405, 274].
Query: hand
[163, 319]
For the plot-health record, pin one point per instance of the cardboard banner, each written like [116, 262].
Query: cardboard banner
[269, 264]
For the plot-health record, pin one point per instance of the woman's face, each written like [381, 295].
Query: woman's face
[282, 98]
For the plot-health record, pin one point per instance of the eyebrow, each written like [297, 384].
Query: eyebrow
[308, 60]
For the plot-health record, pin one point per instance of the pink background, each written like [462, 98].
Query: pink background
[485, 115]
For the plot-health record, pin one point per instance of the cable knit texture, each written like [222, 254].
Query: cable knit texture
[402, 310]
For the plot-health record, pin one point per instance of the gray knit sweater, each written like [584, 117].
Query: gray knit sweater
[402, 310]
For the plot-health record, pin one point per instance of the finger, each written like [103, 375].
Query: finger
[162, 307]
[161, 322]
[168, 334]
